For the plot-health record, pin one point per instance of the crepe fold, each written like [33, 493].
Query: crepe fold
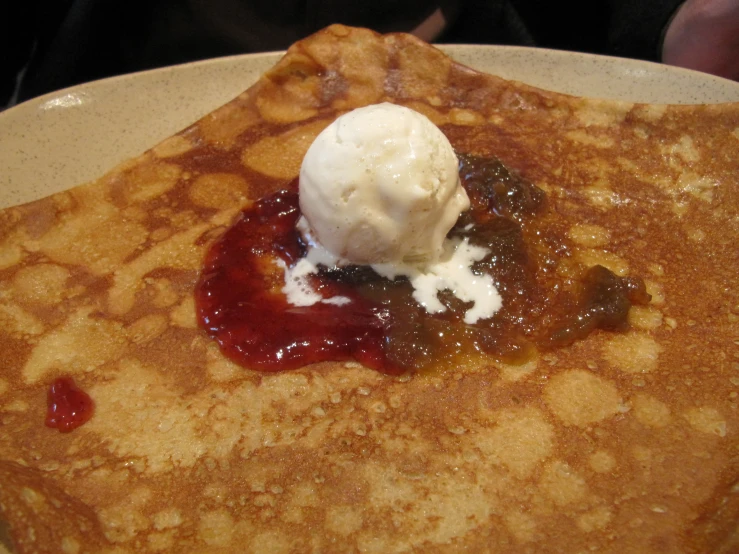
[622, 442]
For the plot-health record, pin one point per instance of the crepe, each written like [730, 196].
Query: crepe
[622, 442]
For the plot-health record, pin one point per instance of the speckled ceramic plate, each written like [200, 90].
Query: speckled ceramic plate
[68, 137]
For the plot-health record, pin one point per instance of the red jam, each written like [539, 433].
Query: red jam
[241, 305]
[240, 302]
[68, 406]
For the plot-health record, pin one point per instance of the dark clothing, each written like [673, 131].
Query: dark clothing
[73, 41]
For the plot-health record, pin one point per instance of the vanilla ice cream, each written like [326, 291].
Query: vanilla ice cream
[381, 184]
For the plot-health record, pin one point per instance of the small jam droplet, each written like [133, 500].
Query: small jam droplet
[69, 407]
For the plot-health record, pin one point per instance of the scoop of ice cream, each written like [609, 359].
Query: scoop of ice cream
[381, 185]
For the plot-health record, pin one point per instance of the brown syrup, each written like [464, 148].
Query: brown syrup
[240, 303]
[68, 406]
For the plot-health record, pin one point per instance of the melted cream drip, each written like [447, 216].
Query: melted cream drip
[453, 272]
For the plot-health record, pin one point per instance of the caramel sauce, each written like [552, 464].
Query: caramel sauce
[240, 303]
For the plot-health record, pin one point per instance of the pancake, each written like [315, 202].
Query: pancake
[621, 442]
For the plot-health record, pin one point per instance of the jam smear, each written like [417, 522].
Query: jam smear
[603, 302]
[496, 191]
[240, 302]
[68, 406]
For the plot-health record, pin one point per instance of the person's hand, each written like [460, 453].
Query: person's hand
[704, 35]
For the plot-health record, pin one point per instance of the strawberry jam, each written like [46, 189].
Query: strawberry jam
[240, 302]
[241, 305]
[68, 406]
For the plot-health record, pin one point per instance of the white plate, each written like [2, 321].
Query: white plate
[65, 138]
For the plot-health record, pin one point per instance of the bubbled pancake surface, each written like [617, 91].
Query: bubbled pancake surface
[620, 443]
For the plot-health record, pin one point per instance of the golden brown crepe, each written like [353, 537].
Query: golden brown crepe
[623, 442]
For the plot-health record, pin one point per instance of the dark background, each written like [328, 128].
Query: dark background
[56, 44]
